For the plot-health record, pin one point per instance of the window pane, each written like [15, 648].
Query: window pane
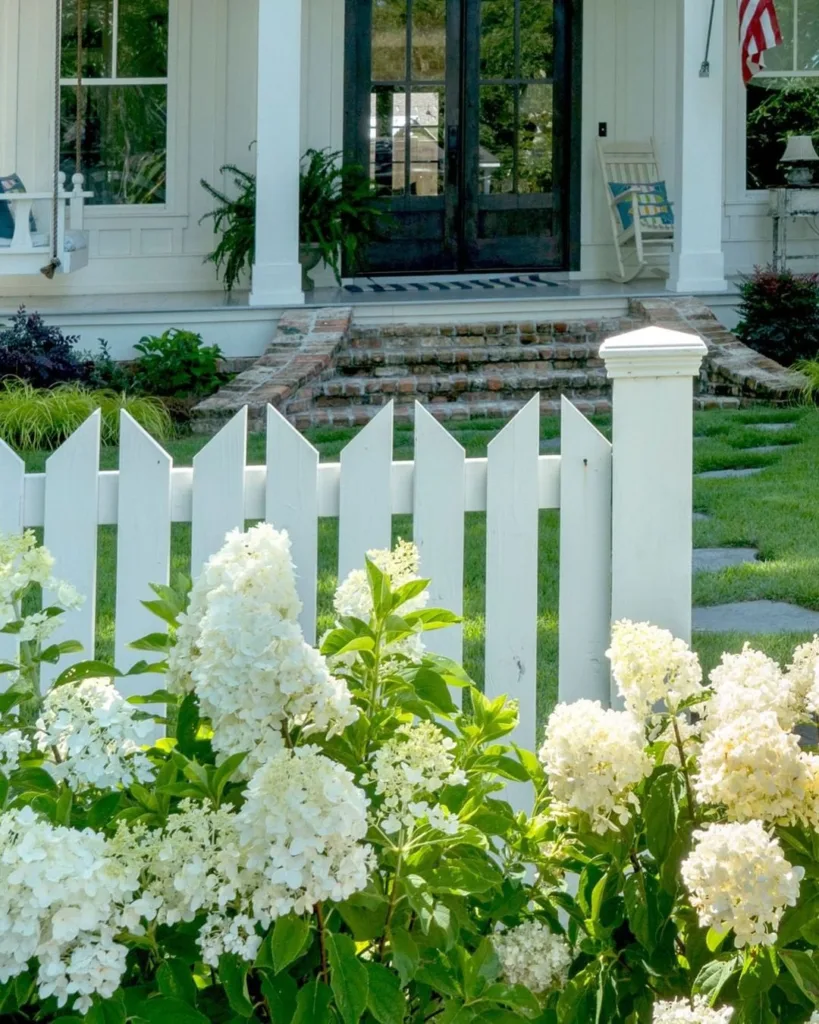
[807, 43]
[777, 107]
[781, 57]
[498, 38]
[427, 142]
[428, 39]
[124, 142]
[388, 144]
[535, 128]
[97, 39]
[536, 38]
[143, 39]
[389, 40]
[496, 152]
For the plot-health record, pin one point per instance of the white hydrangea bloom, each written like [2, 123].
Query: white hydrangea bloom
[738, 878]
[533, 956]
[221, 934]
[593, 759]
[12, 744]
[301, 833]
[697, 1011]
[749, 681]
[650, 665]
[95, 734]
[23, 563]
[755, 768]
[62, 898]
[407, 771]
[803, 676]
[814, 1017]
[241, 650]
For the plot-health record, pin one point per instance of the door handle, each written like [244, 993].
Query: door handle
[452, 155]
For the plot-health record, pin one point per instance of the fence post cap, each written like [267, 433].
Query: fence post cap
[653, 352]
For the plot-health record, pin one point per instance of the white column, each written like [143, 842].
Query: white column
[652, 370]
[276, 271]
[698, 264]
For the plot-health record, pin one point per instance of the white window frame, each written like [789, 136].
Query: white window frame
[177, 83]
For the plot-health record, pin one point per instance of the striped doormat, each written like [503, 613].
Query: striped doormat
[478, 284]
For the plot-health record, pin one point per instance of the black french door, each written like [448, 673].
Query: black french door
[464, 115]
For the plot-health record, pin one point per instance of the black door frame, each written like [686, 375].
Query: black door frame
[568, 155]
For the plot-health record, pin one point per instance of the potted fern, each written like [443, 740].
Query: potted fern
[338, 214]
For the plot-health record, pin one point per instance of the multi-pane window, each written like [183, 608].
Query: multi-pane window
[123, 118]
[783, 100]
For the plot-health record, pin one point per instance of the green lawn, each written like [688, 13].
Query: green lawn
[776, 511]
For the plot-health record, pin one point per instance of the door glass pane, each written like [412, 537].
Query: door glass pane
[389, 52]
[97, 39]
[142, 50]
[536, 39]
[429, 39]
[427, 142]
[388, 139]
[535, 130]
[807, 43]
[496, 151]
[124, 141]
[498, 38]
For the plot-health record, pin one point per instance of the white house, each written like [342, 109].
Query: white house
[501, 103]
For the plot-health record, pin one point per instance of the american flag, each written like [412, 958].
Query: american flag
[758, 31]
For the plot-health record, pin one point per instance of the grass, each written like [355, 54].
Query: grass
[776, 511]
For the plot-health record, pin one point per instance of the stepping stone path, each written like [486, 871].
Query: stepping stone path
[771, 427]
[700, 517]
[549, 445]
[769, 449]
[714, 559]
[727, 474]
[756, 617]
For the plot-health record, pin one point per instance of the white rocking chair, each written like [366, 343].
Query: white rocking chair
[28, 251]
[642, 218]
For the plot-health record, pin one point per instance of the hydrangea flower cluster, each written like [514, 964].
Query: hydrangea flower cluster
[650, 665]
[240, 648]
[738, 879]
[95, 735]
[416, 763]
[750, 681]
[23, 563]
[12, 744]
[301, 834]
[533, 956]
[803, 675]
[697, 1011]
[63, 898]
[593, 759]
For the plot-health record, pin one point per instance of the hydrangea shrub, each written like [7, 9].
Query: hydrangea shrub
[290, 835]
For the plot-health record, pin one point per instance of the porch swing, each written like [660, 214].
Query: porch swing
[23, 246]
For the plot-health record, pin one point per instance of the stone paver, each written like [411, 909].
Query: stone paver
[714, 559]
[727, 474]
[773, 428]
[549, 445]
[769, 449]
[700, 517]
[756, 617]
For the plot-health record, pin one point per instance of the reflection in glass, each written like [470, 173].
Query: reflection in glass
[780, 58]
[142, 44]
[807, 43]
[389, 37]
[536, 38]
[124, 142]
[388, 145]
[777, 107]
[97, 39]
[428, 39]
[535, 134]
[496, 152]
[498, 38]
[427, 143]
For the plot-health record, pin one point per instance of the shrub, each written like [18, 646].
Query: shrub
[779, 314]
[101, 372]
[177, 364]
[809, 368]
[235, 219]
[34, 352]
[32, 418]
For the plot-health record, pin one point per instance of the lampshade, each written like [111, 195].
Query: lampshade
[799, 148]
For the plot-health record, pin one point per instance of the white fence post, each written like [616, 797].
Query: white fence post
[652, 370]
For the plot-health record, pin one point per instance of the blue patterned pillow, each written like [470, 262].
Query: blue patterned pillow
[653, 206]
[12, 183]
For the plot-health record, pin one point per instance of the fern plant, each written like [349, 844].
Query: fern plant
[235, 220]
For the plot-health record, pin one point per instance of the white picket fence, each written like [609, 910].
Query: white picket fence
[364, 490]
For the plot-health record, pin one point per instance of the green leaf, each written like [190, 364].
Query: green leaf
[715, 975]
[280, 994]
[433, 618]
[802, 968]
[385, 1001]
[157, 697]
[288, 940]
[348, 978]
[759, 972]
[379, 588]
[639, 892]
[715, 939]
[432, 688]
[225, 772]
[313, 1004]
[405, 956]
[661, 811]
[233, 976]
[464, 878]
[517, 996]
[86, 670]
[110, 1011]
[37, 779]
[160, 642]
[168, 1010]
[187, 725]
[174, 978]
[534, 769]
[481, 968]
[163, 610]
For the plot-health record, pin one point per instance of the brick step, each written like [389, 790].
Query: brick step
[394, 336]
[358, 415]
[399, 362]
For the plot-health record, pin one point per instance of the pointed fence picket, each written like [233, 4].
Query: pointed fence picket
[12, 519]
